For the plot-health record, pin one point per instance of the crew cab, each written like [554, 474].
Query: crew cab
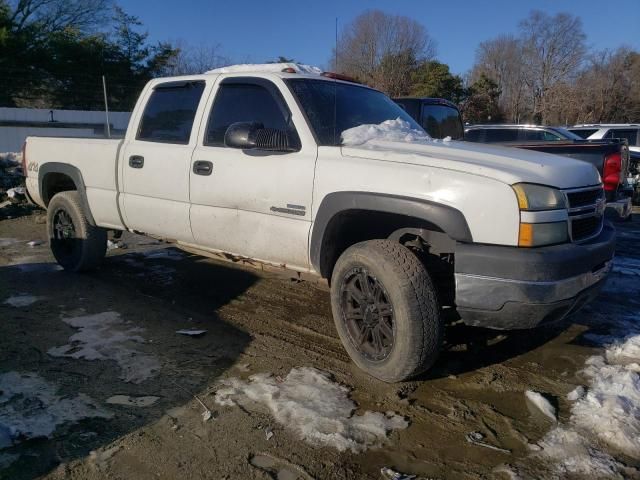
[307, 171]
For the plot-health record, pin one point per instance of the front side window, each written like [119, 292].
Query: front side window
[170, 111]
[239, 102]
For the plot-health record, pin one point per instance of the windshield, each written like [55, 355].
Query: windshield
[354, 106]
[442, 121]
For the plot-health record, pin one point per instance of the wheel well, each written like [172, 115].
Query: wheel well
[55, 182]
[352, 226]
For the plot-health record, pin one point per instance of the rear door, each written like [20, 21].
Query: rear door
[253, 203]
[156, 159]
[629, 134]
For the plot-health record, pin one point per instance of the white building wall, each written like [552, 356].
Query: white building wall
[12, 137]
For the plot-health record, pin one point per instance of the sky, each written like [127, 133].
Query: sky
[251, 31]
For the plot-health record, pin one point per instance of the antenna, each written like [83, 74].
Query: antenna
[106, 106]
[335, 91]
[337, 45]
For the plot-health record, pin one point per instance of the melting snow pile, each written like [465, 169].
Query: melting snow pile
[106, 336]
[11, 177]
[314, 407]
[397, 130]
[22, 300]
[267, 68]
[541, 404]
[606, 414]
[30, 407]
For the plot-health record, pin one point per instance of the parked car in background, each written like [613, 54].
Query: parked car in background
[502, 133]
[304, 171]
[441, 118]
[634, 176]
[610, 156]
[628, 131]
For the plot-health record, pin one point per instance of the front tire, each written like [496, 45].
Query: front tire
[386, 310]
[77, 245]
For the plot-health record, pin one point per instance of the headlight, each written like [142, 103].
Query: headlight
[538, 198]
[539, 234]
[533, 197]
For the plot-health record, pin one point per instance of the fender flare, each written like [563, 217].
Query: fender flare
[448, 219]
[71, 172]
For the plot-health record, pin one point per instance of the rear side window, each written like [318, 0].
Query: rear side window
[630, 134]
[442, 121]
[501, 135]
[169, 114]
[584, 133]
[475, 135]
[243, 103]
[529, 135]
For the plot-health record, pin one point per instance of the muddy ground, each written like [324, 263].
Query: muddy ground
[259, 322]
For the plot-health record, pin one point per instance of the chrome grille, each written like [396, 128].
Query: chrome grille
[586, 212]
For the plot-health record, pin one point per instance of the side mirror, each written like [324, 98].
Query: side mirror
[253, 135]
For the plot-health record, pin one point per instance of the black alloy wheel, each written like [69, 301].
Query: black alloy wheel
[368, 314]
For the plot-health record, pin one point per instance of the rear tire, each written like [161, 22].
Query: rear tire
[386, 310]
[77, 245]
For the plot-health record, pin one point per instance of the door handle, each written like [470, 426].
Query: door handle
[202, 167]
[136, 161]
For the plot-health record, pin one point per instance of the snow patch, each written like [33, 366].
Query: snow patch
[35, 267]
[317, 409]
[22, 300]
[572, 453]
[5, 242]
[576, 393]
[397, 130]
[542, 404]
[30, 406]
[605, 415]
[16, 192]
[267, 68]
[106, 336]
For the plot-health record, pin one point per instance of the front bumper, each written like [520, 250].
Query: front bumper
[513, 288]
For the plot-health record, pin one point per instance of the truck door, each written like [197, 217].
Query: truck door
[253, 203]
[156, 159]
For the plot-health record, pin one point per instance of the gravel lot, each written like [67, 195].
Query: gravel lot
[96, 383]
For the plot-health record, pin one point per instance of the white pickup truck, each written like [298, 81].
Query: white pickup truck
[320, 175]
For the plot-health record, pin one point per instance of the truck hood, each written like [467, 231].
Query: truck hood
[505, 164]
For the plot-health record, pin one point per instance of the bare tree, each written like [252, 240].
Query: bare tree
[52, 15]
[192, 60]
[501, 60]
[609, 86]
[377, 39]
[553, 51]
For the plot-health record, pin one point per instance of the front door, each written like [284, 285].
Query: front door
[253, 203]
[156, 159]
